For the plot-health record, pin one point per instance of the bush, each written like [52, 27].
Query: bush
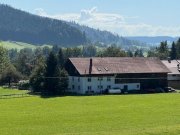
[24, 85]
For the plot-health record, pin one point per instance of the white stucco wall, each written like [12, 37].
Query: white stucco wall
[173, 77]
[80, 84]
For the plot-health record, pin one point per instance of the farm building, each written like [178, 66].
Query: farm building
[97, 74]
[174, 76]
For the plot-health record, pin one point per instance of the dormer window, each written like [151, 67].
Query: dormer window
[106, 68]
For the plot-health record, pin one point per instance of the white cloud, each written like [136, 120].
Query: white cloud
[113, 22]
[40, 11]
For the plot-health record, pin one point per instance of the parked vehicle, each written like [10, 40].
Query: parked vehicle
[114, 91]
[170, 89]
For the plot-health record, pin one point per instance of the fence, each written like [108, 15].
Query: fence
[8, 96]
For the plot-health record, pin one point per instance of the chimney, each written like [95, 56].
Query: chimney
[90, 66]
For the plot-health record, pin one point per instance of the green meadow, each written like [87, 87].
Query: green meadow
[151, 114]
[19, 45]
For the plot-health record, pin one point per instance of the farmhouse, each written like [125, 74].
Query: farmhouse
[95, 75]
[174, 76]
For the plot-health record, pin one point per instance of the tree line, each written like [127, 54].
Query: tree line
[165, 51]
[44, 66]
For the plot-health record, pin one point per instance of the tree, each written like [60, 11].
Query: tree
[61, 59]
[51, 75]
[37, 76]
[173, 51]
[4, 60]
[63, 84]
[24, 61]
[138, 53]
[178, 48]
[152, 52]
[89, 51]
[113, 51]
[55, 49]
[163, 51]
[129, 53]
[9, 75]
[48, 78]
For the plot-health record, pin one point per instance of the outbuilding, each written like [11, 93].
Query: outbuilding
[174, 75]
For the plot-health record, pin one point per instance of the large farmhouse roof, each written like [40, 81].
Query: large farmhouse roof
[172, 66]
[118, 65]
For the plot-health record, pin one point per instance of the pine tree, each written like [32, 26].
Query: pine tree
[61, 59]
[178, 48]
[51, 75]
[173, 51]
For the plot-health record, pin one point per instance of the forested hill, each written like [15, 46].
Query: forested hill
[17, 25]
[106, 37]
[20, 26]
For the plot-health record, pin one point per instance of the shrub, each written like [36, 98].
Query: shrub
[24, 85]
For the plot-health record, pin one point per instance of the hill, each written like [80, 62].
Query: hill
[20, 26]
[105, 37]
[153, 40]
[17, 25]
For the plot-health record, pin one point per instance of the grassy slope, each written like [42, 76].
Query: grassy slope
[156, 114]
[18, 45]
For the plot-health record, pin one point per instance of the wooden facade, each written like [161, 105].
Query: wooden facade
[146, 80]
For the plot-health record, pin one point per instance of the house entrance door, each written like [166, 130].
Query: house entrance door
[125, 88]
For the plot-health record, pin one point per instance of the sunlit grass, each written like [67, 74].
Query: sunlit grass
[153, 114]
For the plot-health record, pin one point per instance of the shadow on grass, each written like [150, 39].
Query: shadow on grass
[49, 95]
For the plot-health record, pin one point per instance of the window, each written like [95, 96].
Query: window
[137, 86]
[73, 87]
[100, 78]
[78, 79]
[173, 75]
[79, 87]
[73, 78]
[109, 87]
[108, 78]
[89, 88]
[100, 87]
[89, 79]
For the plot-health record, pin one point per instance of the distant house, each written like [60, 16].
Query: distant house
[95, 75]
[174, 76]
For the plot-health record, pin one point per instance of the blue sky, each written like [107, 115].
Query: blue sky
[125, 17]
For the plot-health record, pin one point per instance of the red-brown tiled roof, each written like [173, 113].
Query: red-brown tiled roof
[119, 65]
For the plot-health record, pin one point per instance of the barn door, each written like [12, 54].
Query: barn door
[125, 87]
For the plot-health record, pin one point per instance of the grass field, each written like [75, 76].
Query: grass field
[153, 114]
[19, 45]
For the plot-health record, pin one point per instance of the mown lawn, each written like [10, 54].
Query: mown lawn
[153, 114]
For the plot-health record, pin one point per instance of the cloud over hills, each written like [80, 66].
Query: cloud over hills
[123, 25]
